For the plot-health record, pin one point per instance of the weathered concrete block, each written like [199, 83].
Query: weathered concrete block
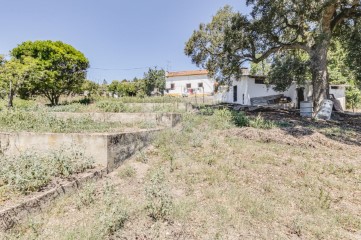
[107, 149]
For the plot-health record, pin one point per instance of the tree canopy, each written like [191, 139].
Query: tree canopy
[123, 88]
[16, 75]
[274, 29]
[60, 68]
[154, 79]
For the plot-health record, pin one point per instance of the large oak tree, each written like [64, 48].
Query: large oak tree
[274, 27]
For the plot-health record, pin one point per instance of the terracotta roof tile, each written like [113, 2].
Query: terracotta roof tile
[187, 73]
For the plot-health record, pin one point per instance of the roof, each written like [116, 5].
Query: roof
[187, 73]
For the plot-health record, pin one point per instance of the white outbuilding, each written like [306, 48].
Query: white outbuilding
[252, 90]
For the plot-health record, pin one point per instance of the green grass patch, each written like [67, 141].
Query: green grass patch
[46, 122]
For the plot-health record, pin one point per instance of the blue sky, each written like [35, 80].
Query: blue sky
[129, 36]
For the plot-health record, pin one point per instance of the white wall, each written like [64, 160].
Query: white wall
[340, 94]
[181, 82]
[247, 89]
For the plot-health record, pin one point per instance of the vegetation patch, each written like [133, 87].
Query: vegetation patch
[31, 171]
[15, 120]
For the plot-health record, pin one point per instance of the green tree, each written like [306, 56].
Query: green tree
[15, 75]
[288, 68]
[350, 38]
[153, 79]
[262, 68]
[60, 69]
[273, 27]
[353, 97]
[90, 87]
[338, 68]
[123, 88]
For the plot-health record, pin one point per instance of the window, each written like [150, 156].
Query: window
[259, 81]
[334, 87]
[200, 85]
[172, 86]
[189, 85]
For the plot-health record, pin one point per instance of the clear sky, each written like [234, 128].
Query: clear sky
[120, 38]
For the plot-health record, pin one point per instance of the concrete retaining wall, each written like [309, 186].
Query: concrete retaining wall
[161, 119]
[107, 149]
[153, 107]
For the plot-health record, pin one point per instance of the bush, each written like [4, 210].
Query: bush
[113, 213]
[240, 119]
[127, 172]
[159, 202]
[260, 122]
[30, 171]
[222, 119]
[111, 106]
[353, 98]
[207, 111]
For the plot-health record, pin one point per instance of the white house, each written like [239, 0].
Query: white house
[188, 83]
[251, 90]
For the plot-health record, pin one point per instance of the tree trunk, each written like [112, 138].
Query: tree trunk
[56, 100]
[11, 98]
[319, 75]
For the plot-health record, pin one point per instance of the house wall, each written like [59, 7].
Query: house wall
[340, 94]
[247, 89]
[181, 82]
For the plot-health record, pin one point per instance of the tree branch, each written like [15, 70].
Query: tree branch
[284, 47]
[347, 13]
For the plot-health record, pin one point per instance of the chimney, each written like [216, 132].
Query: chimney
[244, 71]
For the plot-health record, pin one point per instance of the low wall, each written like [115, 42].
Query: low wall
[108, 150]
[160, 119]
[153, 107]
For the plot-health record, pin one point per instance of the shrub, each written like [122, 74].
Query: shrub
[207, 111]
[159, 202]
[30, 171]
[260, 122]
[86, 196]
[111, 106]
[222, 119]
[240, 119]
[113, 213]
[127, 172]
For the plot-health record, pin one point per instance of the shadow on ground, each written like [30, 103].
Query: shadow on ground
[343, 128]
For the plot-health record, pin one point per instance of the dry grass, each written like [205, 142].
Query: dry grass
[225, 183]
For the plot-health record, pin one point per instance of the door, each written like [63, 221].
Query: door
[300, 96]
[235, 93]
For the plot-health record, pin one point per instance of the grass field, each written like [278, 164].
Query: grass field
[208, 179]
